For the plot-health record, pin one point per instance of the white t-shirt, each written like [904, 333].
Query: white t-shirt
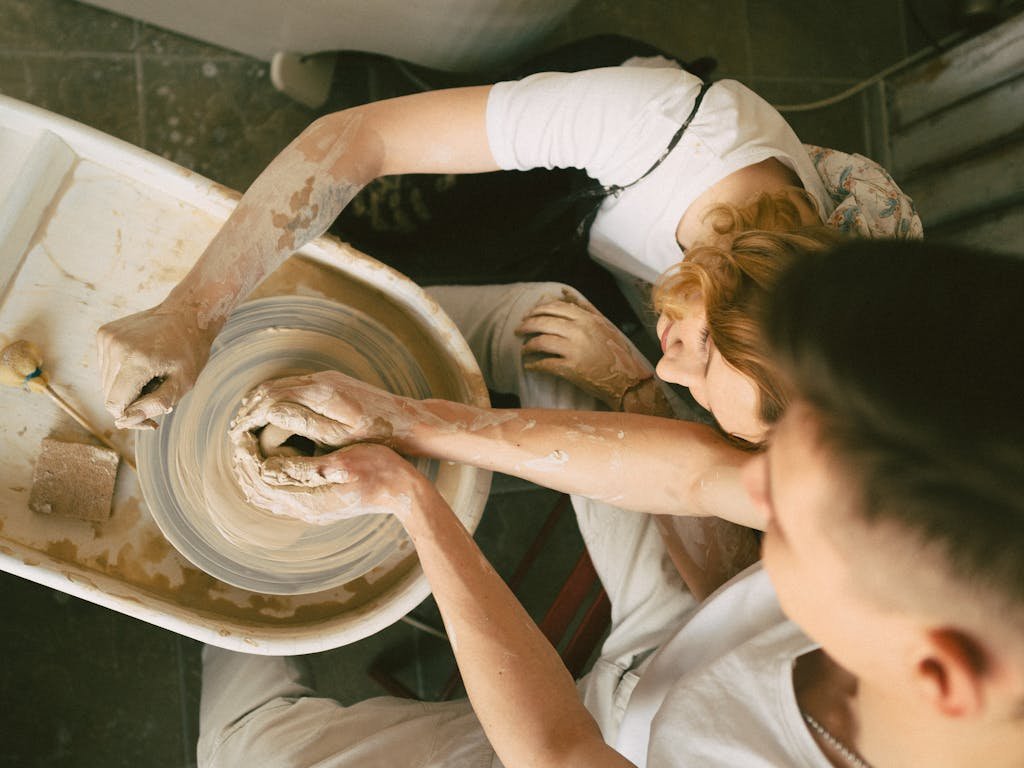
[720, 693]
[614, 123]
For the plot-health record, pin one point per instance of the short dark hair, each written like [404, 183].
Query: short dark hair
[912, 357]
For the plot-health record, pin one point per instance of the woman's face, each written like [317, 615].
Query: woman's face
[691, 359]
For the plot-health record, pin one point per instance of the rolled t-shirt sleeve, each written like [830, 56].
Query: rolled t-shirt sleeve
[611, 122]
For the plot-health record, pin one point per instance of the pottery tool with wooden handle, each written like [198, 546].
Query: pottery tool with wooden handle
[21, 364]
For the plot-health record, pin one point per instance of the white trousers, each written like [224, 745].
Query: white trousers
[262, 710]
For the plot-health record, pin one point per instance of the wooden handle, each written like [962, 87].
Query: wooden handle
[67, 408]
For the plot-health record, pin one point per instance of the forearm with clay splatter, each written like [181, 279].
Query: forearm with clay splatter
[636, 462]
[293, 201]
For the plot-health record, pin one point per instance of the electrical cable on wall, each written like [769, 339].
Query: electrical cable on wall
[853, 90]
[934, 47]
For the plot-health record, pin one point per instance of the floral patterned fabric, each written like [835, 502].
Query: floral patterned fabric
[868, 202]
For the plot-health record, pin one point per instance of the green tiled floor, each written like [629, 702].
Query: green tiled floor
[83, 686]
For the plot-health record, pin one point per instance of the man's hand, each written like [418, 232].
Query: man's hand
[148, 361]
[572, 340]
[329, 408]
[360, 479]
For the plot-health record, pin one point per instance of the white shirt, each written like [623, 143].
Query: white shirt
[720, 693]
[614, 123]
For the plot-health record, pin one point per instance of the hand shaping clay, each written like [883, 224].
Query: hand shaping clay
[219, 508]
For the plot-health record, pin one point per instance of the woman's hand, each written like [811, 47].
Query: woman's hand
[148, 361]
[572, 340]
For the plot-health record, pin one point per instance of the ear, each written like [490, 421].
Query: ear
[951, 672]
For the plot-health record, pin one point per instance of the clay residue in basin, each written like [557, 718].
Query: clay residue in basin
[141, 559]
[131, 550]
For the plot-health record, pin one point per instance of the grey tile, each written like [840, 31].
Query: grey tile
[221, 118]
[62, 25]
[816, 39]
[686, 29]
[343, 673]
[157, 41]
[96, 90]
[190, 675]
[840, 126]
[83, 685]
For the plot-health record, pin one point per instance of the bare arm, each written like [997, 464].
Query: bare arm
[524, 696]
[683, 471]
[570, 338]
[304, 189]
[293, 201]
[636, 462]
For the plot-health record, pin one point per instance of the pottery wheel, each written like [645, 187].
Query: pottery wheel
[185, 466]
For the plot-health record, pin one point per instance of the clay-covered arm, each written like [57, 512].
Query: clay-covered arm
[292, 201]
[636, 462]
[308, 184]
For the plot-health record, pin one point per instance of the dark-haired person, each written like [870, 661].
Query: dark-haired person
[885, 627]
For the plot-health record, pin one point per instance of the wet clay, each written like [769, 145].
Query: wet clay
[290, 530]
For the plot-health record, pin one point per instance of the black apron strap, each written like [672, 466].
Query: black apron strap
[599, 192]
[578, 208]
[614, 189]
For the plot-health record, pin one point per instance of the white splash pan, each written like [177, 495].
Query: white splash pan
[91, 229]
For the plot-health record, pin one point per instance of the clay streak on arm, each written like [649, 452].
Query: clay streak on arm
[292, 202]
[641, 463]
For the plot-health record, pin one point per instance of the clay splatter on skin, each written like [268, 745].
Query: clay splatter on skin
[552, 462]
[485, 420]
[581, 431]
[215, 284]
[239, 257]
[315, 490]
[306, 220]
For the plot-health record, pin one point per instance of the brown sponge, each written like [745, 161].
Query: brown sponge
[74, 480]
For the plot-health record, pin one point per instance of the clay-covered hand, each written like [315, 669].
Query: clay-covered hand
[148, 361]
[328, 408]
[571, 339]
[361, 479]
